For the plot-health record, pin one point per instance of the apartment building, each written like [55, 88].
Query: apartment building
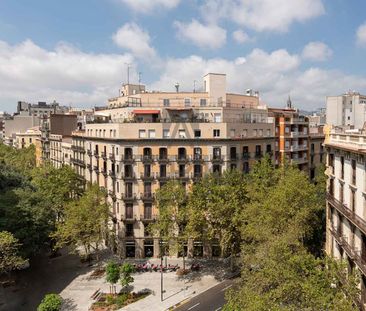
[51, 125]
[29, 137]
[346, 201]
[142, 140]
[348, 109]
[60, 150]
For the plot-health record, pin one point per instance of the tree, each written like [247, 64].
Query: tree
[58, 186]
[215, 210]
[125, 273]
[172, 205]
[281, 267]
[85, 222]
[286, 276]
[112, 275]
[9, 250]
[51, 302]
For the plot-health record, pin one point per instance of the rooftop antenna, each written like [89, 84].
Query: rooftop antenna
[128, 72]
[139, 74]
[177, 87]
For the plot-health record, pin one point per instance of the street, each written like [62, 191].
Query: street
[210, 300]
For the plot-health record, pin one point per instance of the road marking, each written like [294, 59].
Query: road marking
[197, 304]
[218, 309]
[226, 288]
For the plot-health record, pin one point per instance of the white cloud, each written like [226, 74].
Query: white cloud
[66, 74]
[131, 37]
[263, 15]
[275, 75]
[317, 51]
[147, 6]
[208, 36]
[361, 35]
[240, 36]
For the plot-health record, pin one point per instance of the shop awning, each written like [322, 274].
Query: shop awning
[146, 111]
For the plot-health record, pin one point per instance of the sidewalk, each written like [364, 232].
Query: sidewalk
[78, 292]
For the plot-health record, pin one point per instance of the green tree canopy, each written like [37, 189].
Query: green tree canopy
[85, 221]
[9, 253]
[51, 302]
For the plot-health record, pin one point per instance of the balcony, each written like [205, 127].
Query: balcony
[217, 158]
[258, 155]
[198, 158]
[130, 176]
[89, 153]
[112, 194]
[78, 148]
[246, 156]
[129, 218]
[295, 148]
[112, 157]
[301, 160]
[353, 253]
[182, 159]
[129, 197]
[96, 169]
[163, 159]
[234, 157]
[104, 172]
[349, 214]
[148, 217]
[127, 159]
[104, 156]
[147, 159]
[147, 196]
[147, 177]
[162, 177]
[112, 174]
[181, 176]
[78, 162]
[297, 134]
[89, 166]
[96, 154]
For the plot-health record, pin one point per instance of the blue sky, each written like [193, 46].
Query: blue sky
[76, 51]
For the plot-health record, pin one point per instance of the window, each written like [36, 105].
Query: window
[353, 164]
[182, 170]
[151, 133]
[166, 102]
[246, 167]
[261, 132]
[129, 211]
[217, 117]
[203, 102]
[254, 133]
[217, 153]
[232, 133]
[342, 167]
[142, 133]
[258, 150]
[197, 133]
[166, 134]
[268, 133]
[163, 170]
[187, 102]
[197, 170]
[216, 133]
[147, 170]
[197, 153]
[129, 230]
[182, 133]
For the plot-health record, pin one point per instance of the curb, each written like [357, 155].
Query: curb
[179, 304]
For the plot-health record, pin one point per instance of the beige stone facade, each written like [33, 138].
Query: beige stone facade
[346, 202]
